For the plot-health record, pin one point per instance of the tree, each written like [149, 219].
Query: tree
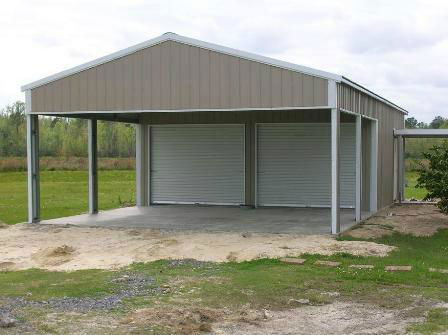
[411, 123]
[438, 122]
[435, 177]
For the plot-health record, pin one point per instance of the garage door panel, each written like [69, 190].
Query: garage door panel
[294, 165]
[197, 164]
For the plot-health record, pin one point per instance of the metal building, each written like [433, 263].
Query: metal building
[221, 126]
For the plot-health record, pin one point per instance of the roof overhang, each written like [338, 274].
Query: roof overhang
[213, 47]
[421, 133]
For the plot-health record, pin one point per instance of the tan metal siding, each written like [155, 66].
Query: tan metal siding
[176, 76]
[388, 118]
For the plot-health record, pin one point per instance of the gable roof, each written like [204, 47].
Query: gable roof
[169, 36]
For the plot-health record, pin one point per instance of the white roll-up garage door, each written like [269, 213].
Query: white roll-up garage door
[197, 164]
[294, 164]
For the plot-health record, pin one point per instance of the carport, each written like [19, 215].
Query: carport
[222, 127]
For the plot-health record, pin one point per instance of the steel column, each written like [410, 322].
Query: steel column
[358, 167]
[32, 127]
[335, 162]
[142, 165]
[93, 167]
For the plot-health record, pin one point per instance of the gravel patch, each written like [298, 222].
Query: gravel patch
[132, 285]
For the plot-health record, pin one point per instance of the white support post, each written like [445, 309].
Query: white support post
[142, 165]
[358, 164]
[32, 127]
[93, 167]
[400, 168]
[335, 187]
[403, 171]
[374, 167]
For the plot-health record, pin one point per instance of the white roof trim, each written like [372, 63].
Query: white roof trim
[425, 133]
[209, 46]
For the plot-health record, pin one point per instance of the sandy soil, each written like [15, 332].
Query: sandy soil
[418, 220]
[338, 318]
[24, 246]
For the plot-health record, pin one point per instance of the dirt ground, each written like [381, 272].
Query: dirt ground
[418, 220]
[24, 246]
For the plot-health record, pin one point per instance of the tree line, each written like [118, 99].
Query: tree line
[68, 137]
[62, 136]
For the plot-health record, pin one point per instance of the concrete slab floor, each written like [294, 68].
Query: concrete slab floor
[214, 218]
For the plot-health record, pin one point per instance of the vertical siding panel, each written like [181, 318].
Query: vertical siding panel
[308, 91]
[65, 95]
[225, 80]
[185, 85]
[255, 87]
[109, 73]
[244, 83]
[137, 80]
[57, 93]
[128, 78]
[276, 86]
[215, 80]
[175, 76]
[234, 82]
[100, 88]
[166, 76]
[75, 87]
[265, 86]
[156, 75]
[287, 94]
[91, 89]
[297, 90]
[119, 85]
[204, 78]
[320, 92]
[194, 79]
[48, 100]
[83, 93]
[146, 73]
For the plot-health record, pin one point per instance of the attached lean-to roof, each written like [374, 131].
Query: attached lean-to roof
[213, 47]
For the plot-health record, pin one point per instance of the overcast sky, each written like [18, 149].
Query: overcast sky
[398, 49]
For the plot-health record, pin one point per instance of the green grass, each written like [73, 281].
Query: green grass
[411, 191]
[63, 193]
[436, 322]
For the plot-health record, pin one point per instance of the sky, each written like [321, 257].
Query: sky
[398, 49]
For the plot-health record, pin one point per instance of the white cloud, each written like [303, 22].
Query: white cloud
[397, 48]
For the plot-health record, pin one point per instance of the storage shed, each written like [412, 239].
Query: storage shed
[219, 126]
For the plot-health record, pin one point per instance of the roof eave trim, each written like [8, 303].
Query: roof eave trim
[188, 41]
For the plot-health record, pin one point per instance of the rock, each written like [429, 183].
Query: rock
[396, 268]
[331, 294]
[299, 301]
[362, 266]
[266, 314]
[438, 270]
[246, 235]
[296, 261]
[327, 263]
[6, 321]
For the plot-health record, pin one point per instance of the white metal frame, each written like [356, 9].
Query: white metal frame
[151, 202]
[358, 168]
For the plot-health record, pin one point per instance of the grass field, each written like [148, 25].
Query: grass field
[63, 193]
[411, 191]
